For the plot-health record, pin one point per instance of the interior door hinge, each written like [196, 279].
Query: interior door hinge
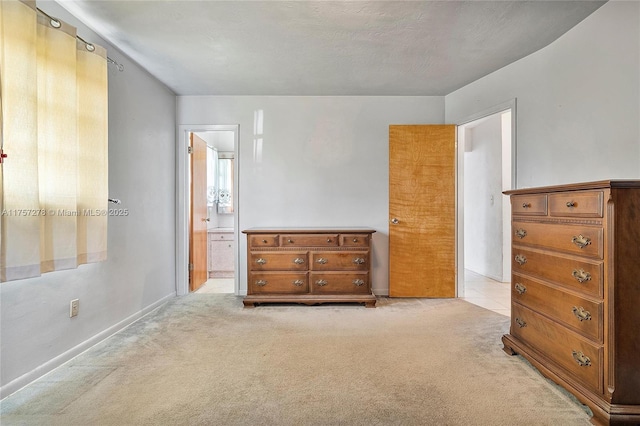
[190, 150]
[2, 155]
[191, 266]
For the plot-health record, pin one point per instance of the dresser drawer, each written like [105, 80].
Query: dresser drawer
[579, 239]
[278, 283]
[339, 282]
[305, 240]
[529, 205]
[579, 274]
[582, 315]
[576, 355]
[340, 261]
[278, 261]
[576, 204]
[266, 240]
[354, 240]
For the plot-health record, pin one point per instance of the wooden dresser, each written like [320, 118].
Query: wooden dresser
[575, 296]
[309, 266]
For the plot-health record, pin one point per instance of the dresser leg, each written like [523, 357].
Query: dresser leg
[371, 304]
[507, 348]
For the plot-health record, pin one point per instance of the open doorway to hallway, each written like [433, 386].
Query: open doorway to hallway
[486, 168]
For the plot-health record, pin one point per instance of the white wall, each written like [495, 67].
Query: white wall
[483, 198]
[323, 161]
[578, 101]
[37, 333]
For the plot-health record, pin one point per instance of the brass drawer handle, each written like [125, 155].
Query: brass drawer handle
[298, 283]
[261, 283]
[581, 241]
[261, 261]
[358, 282]
[520, 323]
[520, 288]
[264, 241]
[521, 259]
[521, 233]
[526, 205]
[581, 313]
[328, 240]
[358, 261]
[298, 261]
[581, 275]
[322, 260]
[290, 241]
[355, 240]
[581, 359]
[322, 283]
[571, 204]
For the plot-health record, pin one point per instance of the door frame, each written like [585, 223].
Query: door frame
[183, 194]
[503, 107]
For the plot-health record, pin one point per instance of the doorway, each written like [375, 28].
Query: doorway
[486, 168]
[218, 187]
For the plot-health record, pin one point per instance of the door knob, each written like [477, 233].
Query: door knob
[395, 221]
[206, 219]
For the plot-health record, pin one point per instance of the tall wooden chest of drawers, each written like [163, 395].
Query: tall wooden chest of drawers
[575, 296]
[309, 266]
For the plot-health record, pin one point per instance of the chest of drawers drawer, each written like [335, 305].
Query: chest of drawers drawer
[309, 240]
[581, 314]
[577, 204]
[339, 283]
[581, 240]
[529, 205]
[576, 355]
[340, 261]
[278, 282]
[576, 273]
[279, 261]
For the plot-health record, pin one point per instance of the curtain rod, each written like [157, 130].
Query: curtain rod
[55, 23]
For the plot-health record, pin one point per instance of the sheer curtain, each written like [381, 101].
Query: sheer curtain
[54, 133]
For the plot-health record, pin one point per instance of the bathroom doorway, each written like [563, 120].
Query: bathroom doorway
[218, 217]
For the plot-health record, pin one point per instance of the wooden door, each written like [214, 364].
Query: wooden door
[422, 195]
[198, 273]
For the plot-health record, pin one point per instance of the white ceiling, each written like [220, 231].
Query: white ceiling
[327, 47]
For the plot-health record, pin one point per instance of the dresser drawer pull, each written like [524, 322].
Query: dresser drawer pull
[328, 240]
[581, 275]
[290, 241]
[321, 260]
[355, 240]
[571, 204]
[581, 241]
[520, 288]
[261, 283]
[526, 205]
[521, 259]
[358, 261]
[322, 283]
[581, 359]
[264, 241]
[521, 233]
[298, 283]
[520, 323]
[298, 261]
[581, 313]
[358, 282]
[261, 261]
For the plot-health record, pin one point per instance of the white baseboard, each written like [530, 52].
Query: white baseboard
[38, 372]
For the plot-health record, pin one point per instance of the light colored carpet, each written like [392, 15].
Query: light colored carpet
[203, 359]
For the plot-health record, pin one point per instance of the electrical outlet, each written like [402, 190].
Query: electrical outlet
[74, 307]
